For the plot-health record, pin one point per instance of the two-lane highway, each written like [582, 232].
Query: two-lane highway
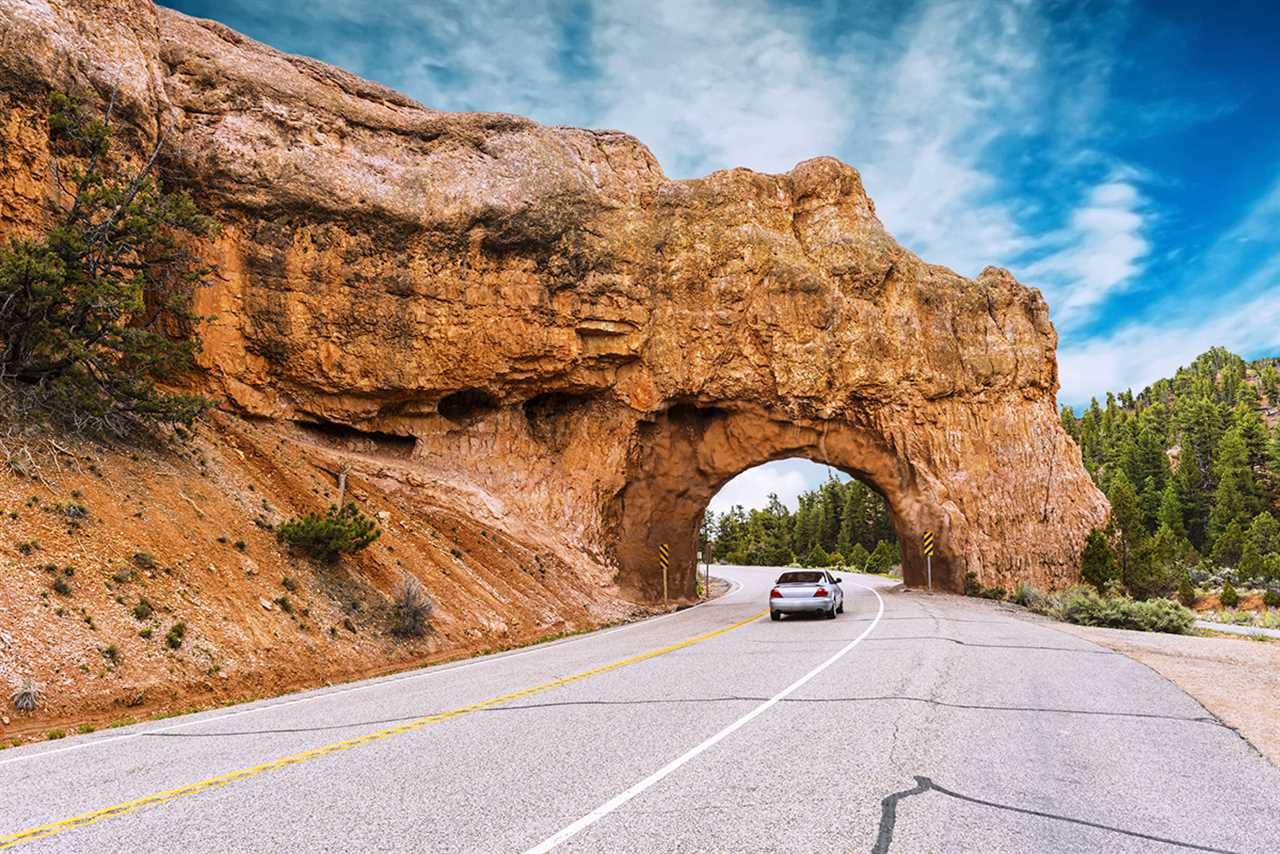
[910, 723]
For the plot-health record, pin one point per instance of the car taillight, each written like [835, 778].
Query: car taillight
[775, 593]
[821, 591]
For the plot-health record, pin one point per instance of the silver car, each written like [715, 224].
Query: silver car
[806, 590]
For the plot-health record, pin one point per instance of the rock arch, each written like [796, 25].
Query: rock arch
[580, 348]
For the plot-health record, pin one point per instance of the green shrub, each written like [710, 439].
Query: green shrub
[176, 633]
[997, 593]
[972, 587]
[1271, 598]
[1027, 596]
[1087, 607]
[1229, 597]
[143, 610]
[325, 537]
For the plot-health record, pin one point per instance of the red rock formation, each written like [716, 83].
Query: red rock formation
[590, 347]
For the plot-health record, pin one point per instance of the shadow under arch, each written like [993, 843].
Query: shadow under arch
[686, 454]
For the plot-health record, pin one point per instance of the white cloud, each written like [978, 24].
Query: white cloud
[710, 85]
[786, 478]
[1101, 252]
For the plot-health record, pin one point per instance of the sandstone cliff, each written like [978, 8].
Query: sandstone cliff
[538, 317]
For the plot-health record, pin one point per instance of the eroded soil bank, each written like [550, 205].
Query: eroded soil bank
[87, 534]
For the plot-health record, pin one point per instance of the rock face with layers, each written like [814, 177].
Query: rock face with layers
[590, 346]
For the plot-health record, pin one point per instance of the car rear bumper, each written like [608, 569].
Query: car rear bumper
[786, 604]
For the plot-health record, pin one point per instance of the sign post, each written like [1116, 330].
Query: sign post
[928, 556]
[706, 572]
[664, 558]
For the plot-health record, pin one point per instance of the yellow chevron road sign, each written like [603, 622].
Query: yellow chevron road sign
[664, 560]
[928, 543]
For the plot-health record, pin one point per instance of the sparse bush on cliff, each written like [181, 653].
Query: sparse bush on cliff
[337, 532]
[26, 697]
[411, 611]
[98, 309]
[143, 610]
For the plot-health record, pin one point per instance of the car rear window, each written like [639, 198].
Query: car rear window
[800, 578]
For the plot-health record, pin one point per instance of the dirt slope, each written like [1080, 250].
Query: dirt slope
[189, 529]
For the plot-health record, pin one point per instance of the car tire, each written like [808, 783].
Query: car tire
[831, 615]
[775, 616]
[840, 608]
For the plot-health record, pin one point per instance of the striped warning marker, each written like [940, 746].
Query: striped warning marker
[928, 543]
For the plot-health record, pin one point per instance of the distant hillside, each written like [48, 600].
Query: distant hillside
[1191, 465]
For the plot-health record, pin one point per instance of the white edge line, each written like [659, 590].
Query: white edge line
[432, 670]
[618, 800]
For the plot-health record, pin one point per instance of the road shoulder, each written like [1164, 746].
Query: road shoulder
[1237, 680]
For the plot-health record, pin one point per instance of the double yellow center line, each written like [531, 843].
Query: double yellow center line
[44, 831]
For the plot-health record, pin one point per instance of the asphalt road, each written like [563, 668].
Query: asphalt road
[912, 723]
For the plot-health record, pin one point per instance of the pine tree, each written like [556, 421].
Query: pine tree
[1236, 497]
[1229, 544]
[829, 501]
[1151, 571]
[97, 311]
[1149, 500]
[1170, 511]
[1069, 423]
[1126, 516]
[857, 557]
[1097, 561]
[1253, 432]
[1260, 539]
[1270, 380]
[851, 518]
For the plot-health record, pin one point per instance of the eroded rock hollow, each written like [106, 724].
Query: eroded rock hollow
[539, 317]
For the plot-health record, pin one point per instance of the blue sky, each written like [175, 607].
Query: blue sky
[1122, 157]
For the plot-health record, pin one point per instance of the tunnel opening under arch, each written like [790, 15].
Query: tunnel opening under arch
[687, 454]
[795, 512]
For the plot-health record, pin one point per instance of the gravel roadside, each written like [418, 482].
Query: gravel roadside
[1236, 679]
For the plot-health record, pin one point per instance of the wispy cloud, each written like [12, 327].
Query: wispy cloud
[1100, 252]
